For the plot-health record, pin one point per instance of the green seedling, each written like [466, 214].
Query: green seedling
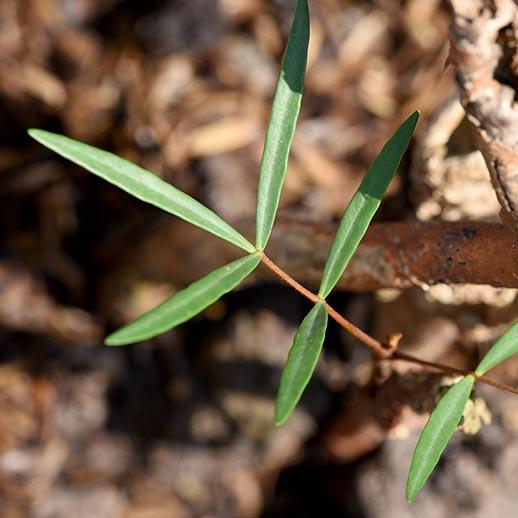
[308, 341]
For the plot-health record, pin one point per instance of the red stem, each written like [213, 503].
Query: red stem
[381, 351]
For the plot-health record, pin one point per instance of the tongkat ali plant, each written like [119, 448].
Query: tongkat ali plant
[310, 336]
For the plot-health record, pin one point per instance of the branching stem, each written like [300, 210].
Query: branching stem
[380, 350]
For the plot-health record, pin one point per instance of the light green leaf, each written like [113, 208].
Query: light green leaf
[436, 434]
[141, 184]
[302, 360]
[281, 128]
[364, 204]
[186, 303]
[505, 347]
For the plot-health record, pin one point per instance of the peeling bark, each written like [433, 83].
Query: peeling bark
[484, 43]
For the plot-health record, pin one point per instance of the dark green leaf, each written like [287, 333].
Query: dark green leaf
[281, 128]
[142, 184]
[302, 360]
[364, 204]
[436, 434]
[505, 347]
[186, 303]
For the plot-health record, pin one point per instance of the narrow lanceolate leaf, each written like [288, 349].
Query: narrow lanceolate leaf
[302, 360]
[186, 303]
[364, 204]
[505, 347]
[281, 128]
[436, 434]
[142, 184]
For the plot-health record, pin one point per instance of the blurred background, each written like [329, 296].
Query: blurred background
[183, 425]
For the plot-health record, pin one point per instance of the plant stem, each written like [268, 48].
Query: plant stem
[381, 351]
[369, 341]
[397, 355]
[289, 280]
[496, 384]
[446, 369]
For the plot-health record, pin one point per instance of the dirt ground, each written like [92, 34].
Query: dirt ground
[182, 425]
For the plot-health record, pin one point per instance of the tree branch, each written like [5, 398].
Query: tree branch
[392, 255]
[402, 255]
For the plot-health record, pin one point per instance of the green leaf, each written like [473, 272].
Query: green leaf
[505, 347]
[186, 303]
[364, 204]
[302, 360]
[142, 184]
[436, 434]
[281, 128]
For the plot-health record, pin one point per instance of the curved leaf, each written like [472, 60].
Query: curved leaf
[281, 128]
[505, 347]
[186, 303]
[302, 360]
[141, 184]
[436, 434]
[364, 204]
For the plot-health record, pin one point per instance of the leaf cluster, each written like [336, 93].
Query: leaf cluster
[444, 420]
[308, 341]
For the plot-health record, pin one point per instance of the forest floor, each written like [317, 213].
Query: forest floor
[183, 425]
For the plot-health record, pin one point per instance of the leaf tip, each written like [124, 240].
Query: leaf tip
[284, 409]
[41, 136]
[115, 340]
[281, 417]
[35, 133]
[414, 118]
[411, 492]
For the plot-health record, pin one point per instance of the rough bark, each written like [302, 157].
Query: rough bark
[484, 42]
[392, 255]
[406, 254]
